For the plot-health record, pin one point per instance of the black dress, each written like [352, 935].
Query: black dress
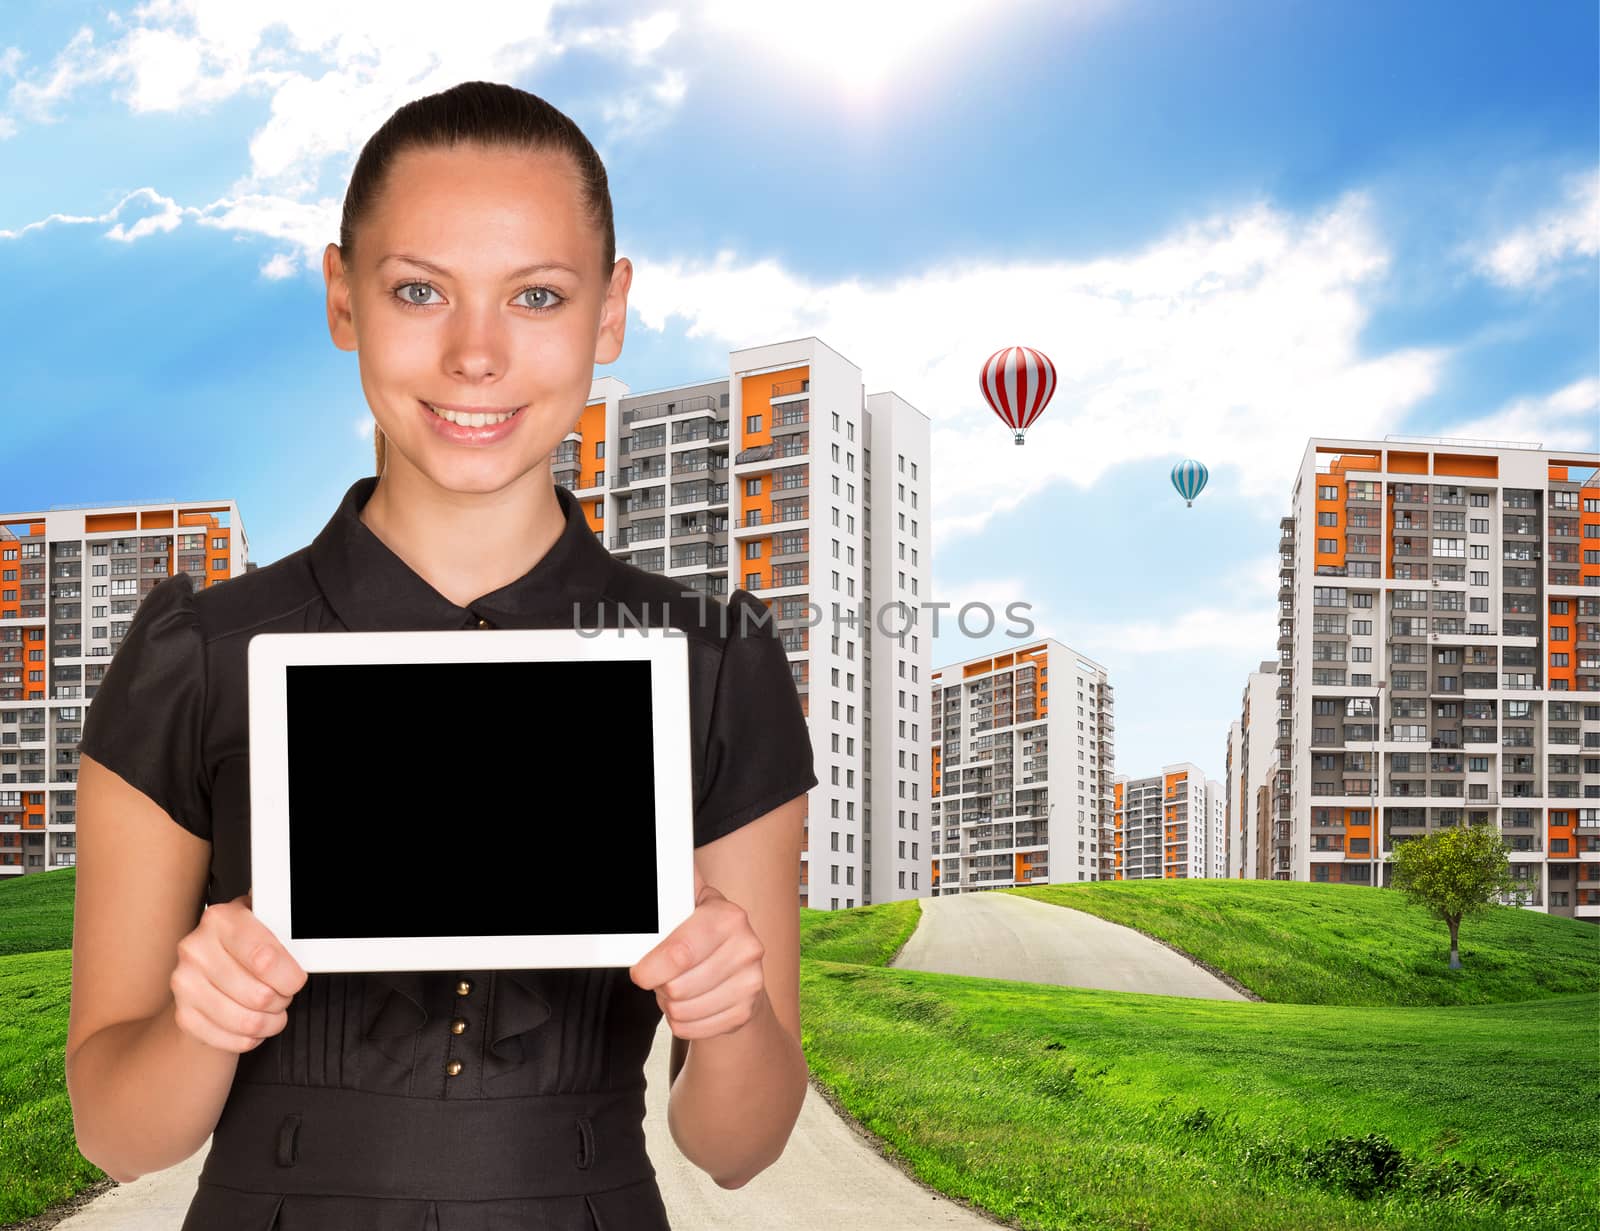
[349, 1119]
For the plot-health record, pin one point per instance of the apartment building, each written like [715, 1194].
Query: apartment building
[70, 579]
[1258, 751]
[763, 480]
[1171, 825]
[1015, 736]
[1441, 601]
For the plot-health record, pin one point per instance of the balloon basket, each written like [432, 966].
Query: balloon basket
[1019, 438]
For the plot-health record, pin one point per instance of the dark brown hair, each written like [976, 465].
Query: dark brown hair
[485, 113]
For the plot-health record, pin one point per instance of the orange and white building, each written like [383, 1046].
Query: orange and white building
[785, 478]
[1170, 825]
[1022, 762]
[70, 579]
[1440, 643]
[1258, 750]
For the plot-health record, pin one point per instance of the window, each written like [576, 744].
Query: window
[752, 423]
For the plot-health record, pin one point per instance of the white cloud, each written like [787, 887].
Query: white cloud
[307, 225]
[278, 266]
[1569, 418]
[1246, 625]
[1231, 340]
[989, 599]
[330, 73]
[1200, 628]
[1536, 254]
[850, 49]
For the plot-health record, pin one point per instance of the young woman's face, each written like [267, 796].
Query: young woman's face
[444, 309]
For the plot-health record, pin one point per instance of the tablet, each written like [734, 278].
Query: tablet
[470, 800]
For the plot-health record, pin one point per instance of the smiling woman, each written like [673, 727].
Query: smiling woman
[476, 281]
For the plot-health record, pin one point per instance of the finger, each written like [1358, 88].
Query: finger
[680, 950]
[207, 1013]
[721, 1023]
[198, 1026]
[219, 969]
[689, 992]
[255, 948]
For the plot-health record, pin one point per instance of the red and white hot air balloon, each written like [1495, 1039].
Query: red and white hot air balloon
[1018, 381]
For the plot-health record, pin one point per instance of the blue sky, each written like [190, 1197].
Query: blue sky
[1231, 226]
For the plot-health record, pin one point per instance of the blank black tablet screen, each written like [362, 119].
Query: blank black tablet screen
[471, 799]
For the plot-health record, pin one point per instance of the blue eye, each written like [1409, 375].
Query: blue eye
[409, 302]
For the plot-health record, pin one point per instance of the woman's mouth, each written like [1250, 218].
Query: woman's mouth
[469, 425]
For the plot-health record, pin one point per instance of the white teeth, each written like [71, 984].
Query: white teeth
[472, 420]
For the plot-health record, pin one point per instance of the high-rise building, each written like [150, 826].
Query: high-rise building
[763, 480]
[1444, 599]
[1015, 736]
[70, 579]
[1171, 825]
[1258, 751]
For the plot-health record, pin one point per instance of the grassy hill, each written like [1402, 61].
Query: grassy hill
[39, 1157]
[1299, 943]
[36, 911]
[1072, 1108]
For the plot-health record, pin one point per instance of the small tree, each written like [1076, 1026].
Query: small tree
[1455, 872]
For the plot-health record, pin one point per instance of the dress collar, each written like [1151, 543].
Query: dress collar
[372, 589]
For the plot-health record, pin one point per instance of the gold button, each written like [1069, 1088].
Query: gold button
[483, 623]
[464, 988]
[453, 1067]
[459, 1026]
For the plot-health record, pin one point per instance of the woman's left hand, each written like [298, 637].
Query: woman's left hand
[707, 972]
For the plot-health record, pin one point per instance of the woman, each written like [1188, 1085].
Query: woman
[476, 279]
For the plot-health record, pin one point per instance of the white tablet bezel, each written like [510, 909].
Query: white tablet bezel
[269, 654]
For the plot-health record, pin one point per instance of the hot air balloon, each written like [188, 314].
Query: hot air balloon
[1189, 477]
[1018, 382]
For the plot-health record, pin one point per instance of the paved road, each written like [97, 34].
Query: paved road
[1005, 936]
[829, 1176]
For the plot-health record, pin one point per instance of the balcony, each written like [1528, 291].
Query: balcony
[782, 579]
[712, 465]
[783, 513]
[790, 418]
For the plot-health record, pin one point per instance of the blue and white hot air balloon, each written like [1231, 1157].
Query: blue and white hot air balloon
[1189, 477]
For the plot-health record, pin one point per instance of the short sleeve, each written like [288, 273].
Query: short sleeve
[758, 749]
[145, 722]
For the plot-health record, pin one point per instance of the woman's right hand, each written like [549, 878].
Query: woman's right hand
[234, 979]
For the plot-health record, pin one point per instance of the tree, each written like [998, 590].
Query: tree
[1453, 873]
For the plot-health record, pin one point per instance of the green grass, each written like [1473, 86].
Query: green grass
[1063, 1107]
[36, 911]
[1072, 1108]
[866, 936]
[39, 1157]
[1297, 943]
